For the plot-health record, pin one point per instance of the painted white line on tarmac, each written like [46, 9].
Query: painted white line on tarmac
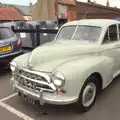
[8, 97]
[15, 112]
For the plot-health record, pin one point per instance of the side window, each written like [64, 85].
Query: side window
[106, 38]
[113, 33]
[119, 30]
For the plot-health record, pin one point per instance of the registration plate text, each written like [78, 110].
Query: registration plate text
[5, 49]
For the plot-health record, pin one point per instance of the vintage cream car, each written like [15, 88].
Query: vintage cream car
[82, 60]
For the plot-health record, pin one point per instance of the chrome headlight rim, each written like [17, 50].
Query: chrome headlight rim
[13, 66]
[58, 79]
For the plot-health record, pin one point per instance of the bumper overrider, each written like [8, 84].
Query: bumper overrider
[43, 91]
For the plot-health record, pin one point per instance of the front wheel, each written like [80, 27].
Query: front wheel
[88, 94]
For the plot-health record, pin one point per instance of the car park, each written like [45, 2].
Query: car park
[10, 46]
[82, 60]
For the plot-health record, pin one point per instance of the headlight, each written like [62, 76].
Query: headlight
[58, 79]
[13, 66]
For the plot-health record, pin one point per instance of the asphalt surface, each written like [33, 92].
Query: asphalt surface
[107, 106]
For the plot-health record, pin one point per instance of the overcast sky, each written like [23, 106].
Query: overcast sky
[26, 2]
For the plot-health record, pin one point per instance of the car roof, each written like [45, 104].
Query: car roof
[93, 22]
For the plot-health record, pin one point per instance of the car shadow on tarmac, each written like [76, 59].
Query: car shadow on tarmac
[4, 70]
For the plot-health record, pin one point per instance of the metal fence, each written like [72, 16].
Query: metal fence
[34, 37]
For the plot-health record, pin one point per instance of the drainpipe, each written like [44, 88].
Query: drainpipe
[108, 3]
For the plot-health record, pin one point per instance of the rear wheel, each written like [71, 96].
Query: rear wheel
[88, 94]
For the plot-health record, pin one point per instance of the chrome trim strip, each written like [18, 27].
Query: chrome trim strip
[9, 54]
[27, 92]
[41, 97]
[33, 80]
[38, 73]
[61, 102]
[51, 85]
[44, 89]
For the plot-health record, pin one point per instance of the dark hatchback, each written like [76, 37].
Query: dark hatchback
[10, 46]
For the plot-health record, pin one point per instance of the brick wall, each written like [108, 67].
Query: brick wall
[95, 11]
[71, 13]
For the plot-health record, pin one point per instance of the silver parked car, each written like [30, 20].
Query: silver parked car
[10, 45]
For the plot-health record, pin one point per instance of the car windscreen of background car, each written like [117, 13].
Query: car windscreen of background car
[5, 33]
[66, 33]
[89, 33]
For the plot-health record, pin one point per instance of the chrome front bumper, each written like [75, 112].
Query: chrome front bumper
[44, 97]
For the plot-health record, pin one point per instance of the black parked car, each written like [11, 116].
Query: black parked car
[10, 46]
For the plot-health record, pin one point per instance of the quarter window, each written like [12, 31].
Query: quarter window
[119, 31]
[111, 34]
[106, 38]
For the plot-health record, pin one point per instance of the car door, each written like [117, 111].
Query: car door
[111, 47]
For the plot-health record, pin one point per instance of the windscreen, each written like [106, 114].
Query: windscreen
[66, 33]
[81, 33]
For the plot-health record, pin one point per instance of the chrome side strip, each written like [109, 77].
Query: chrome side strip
[116, 74]
[44, 89]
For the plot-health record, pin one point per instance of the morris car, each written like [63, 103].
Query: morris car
[82, 60]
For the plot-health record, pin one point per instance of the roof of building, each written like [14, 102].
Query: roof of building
[93, 22]
[9, 13]
[99, 6]
[67, 2]
[22, 9]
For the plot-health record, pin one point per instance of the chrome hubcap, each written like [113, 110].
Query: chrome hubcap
[89, 94]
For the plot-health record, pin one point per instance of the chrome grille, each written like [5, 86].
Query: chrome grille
[32, 81]
[31, 75]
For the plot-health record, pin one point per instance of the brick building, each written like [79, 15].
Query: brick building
[68, 8]
[93, 10]
[50, 9]
[23, 10]
[8, 14]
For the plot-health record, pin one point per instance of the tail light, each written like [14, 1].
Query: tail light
[18, 42]
[5, 61]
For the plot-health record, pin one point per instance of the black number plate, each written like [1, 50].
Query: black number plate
[27, 98]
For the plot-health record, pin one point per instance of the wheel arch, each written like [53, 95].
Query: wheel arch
[100, 80]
